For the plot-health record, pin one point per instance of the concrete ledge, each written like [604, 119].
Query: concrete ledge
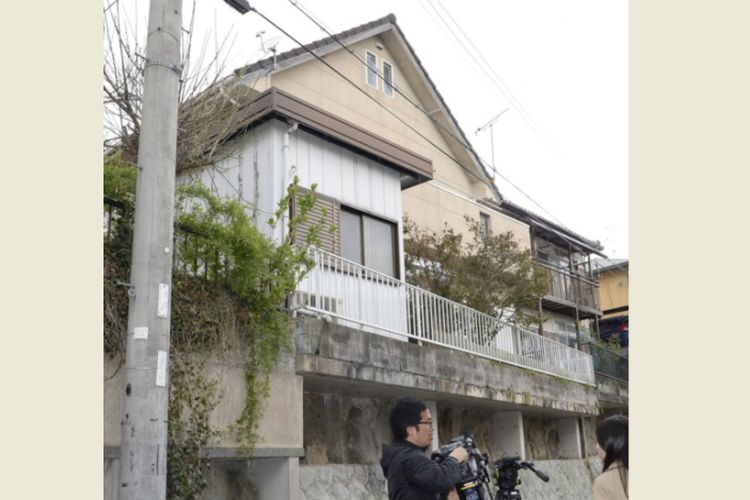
[612, 392]
[331, 355]
[113, 452]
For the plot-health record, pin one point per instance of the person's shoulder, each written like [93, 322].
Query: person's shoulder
[608, 484]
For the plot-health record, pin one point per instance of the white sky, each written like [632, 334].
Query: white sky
[561, 68]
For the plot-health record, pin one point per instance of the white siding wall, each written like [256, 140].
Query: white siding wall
[256, 173]
[249, 173]
[367, 185]
[254, 170]
[349, 177]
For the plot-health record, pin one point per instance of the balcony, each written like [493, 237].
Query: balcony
[568, 291]
[359, 297]
[609, 363]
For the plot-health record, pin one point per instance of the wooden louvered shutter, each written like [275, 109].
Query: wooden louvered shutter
[330, 241]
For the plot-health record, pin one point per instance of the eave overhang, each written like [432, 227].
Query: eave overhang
[274, 102]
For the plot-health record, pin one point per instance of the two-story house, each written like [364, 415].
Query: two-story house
[570, 310]
[358, 115]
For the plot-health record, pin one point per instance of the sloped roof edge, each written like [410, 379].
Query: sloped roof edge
[602, 265]
[562, 231]
[384, 23]
[277, 102]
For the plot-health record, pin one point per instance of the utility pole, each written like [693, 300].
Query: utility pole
[143, 445]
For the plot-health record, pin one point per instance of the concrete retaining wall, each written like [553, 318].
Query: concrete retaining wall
[342, 482]
[569, 479]
[334, 352]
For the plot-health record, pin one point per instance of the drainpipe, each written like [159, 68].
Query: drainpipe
[285, 171]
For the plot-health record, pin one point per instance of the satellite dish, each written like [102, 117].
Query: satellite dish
[270, 44]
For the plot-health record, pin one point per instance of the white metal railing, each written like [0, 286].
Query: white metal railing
[366, 298]
[567, 337]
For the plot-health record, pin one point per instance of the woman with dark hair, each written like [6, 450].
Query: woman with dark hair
[612, 448]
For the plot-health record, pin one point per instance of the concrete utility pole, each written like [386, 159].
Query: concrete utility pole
[143, 446]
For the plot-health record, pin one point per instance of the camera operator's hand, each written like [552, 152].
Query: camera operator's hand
[460, 454]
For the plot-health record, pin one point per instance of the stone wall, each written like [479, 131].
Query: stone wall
[454, 421]
[230, 480]
[542, 437]
[569, 479]
[342, 482]
[339, 429]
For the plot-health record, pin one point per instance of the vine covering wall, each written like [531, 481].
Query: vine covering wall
[230, 284]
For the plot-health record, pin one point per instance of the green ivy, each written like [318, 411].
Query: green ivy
[230, 284]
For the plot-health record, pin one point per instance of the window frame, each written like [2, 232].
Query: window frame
[374, 69]
[386, 83]
[364, 235]
[485, 225]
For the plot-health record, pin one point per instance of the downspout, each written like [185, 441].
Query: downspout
[285, 171]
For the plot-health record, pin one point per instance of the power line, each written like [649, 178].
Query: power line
[389, 111]
[502, 87]
[494, 77]
[484, 163]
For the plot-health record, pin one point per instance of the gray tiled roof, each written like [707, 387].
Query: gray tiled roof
[283, 56]
[553, 225]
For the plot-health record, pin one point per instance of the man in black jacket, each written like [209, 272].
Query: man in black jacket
[410, 474]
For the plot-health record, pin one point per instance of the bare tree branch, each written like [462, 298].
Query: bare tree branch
[209, 103]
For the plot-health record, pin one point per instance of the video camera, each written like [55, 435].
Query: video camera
[475, 479]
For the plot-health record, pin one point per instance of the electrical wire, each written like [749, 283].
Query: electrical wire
[484, 163]
[364, 92]
[494, 78]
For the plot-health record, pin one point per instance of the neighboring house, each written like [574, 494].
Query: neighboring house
[611, 361]
[612, 275]
[570, 310]
[364, 337]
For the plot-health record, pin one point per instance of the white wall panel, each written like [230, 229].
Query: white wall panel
[378, 186]
[362, 182]
[331, 170]
[347, 176]
[254, 172]
[348, 187]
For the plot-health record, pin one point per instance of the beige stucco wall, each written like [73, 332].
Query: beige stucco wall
[280, 426]
[319, 85]
[613, 288]
[430, 205]
[426, 204]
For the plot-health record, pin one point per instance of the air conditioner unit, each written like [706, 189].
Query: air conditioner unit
[320, 302]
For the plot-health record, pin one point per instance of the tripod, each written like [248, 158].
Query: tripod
[506, 477]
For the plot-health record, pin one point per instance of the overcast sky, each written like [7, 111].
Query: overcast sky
[561, 69]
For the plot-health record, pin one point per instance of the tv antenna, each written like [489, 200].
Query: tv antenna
[492, 136]
[269, 45]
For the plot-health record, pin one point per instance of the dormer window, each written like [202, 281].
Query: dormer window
[372, 69]
[387, 79]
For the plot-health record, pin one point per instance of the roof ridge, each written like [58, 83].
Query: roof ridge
[388, 19]
[263, 63]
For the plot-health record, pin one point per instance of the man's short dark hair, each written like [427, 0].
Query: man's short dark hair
[406, 412]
